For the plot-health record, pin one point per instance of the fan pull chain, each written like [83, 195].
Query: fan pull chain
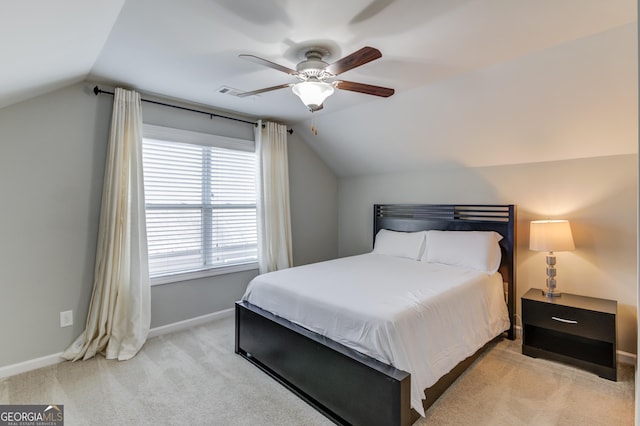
[314, 129]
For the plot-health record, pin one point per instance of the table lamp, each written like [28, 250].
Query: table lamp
[551, 236]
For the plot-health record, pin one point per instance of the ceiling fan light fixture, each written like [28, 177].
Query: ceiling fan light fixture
[313, 93]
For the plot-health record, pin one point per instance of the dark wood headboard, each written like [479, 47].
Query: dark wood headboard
[459, 217]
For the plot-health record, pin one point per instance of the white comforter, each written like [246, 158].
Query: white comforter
[423, 318]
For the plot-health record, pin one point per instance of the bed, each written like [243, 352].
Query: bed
[310, 348]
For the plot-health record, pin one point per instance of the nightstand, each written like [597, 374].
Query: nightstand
[576, 330]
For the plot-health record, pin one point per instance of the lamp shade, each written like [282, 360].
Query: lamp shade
[313, 93]
[551, 235]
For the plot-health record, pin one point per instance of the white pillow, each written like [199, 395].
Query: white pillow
[477, 250]
[400, 244]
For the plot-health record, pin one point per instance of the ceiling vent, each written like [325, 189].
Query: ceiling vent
[229, 91]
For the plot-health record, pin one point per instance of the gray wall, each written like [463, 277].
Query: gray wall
[314, 205]
[52, 153]
[598, 195]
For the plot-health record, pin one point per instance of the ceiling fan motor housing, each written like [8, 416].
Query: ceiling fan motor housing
[313, 67]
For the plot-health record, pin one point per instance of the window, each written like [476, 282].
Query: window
[200, 193]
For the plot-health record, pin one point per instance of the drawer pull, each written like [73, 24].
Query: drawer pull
[564, 320]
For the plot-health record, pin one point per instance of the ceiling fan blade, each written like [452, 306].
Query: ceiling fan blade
[361, 57]
[269, 64]
[266, 89]
[368, 89]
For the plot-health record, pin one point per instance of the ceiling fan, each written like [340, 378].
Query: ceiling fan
[314, 76]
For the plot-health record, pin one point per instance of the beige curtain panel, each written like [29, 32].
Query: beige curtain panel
[274, 217]
[119, 315]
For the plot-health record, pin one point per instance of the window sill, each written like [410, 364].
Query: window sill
[169, 279]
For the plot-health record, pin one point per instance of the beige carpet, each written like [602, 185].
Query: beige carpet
[505, 387]
[194, 378]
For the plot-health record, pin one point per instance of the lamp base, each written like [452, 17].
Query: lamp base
[547, 293]
[550, 291]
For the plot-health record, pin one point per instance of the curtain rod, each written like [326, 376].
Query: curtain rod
[97, 91]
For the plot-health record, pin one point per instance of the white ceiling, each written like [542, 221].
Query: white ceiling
[478, 82]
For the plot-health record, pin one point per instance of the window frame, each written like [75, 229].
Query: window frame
[168, 134]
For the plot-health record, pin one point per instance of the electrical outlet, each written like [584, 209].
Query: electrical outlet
[66, 318]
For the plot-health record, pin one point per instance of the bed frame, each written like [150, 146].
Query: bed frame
[346, 386]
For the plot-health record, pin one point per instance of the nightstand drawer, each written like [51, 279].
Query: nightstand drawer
[570, 320]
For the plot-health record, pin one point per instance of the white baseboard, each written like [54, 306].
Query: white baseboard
[627, 358]
[45, 361]
[192, 322]
[32, 364]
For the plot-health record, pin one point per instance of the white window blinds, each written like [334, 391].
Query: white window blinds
[200, 201]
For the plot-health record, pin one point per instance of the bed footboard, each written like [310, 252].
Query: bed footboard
[345, 385]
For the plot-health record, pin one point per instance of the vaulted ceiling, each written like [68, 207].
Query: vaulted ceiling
[478, 82]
